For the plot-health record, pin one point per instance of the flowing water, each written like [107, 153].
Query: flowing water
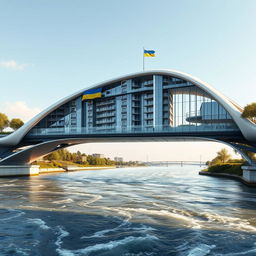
[131, 211]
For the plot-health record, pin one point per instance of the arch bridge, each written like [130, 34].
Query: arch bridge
[161, 105]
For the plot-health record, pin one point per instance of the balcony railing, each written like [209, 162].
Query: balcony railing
[133, 129]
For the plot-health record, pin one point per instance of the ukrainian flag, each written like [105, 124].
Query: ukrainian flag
[92, 94]
[149, 53]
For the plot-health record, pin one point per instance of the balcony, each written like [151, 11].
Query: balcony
[105, 103]
[148, 103]
[108, 121]
[148, 96]
[105, 109]
[110, 114]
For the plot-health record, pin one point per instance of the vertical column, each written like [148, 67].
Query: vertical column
[142, 113]
[129, 111]
[171, 106]
[158, 102]
[89, 114]
[129, 104]
[129, 86]
[118, 113]
[84, 110]
[67, 119]
[79, 114]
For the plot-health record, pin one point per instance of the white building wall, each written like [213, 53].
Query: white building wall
[158, 101]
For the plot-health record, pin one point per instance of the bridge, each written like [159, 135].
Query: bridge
[160, 105]
[170, 163]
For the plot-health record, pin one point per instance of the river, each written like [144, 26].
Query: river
[131, 211]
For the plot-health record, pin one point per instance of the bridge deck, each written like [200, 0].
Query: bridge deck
[228, 136]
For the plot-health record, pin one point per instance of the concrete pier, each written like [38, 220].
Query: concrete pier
[249, 174]
[18, 170]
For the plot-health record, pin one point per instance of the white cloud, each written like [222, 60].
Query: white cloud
[19, 109]
[12, 64]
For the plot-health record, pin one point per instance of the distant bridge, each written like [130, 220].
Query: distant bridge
[168, 163]
[162, 105]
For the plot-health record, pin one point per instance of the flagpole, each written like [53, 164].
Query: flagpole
[143, 60]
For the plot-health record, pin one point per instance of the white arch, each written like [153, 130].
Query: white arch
[247, 128]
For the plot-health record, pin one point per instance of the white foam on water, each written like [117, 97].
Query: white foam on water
[96, 198]
[102, 233]
[61, 234]
[93, 200]
[164, 213]
[183, 246]
[230, 222]
[12, 180]
[201, 250]
[252, 252]
[8, 185]
[105, 246]
[64, 201]
[20, 251]
[38, 222]
[20, 213]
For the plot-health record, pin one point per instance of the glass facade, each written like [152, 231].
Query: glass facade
[142, 104]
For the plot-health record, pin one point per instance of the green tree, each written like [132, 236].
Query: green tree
[250, 112]
[91, 160]
[16, 123]
[4, 122]
[78, 157]
[223, 155]
[53, 156]
[214, 161]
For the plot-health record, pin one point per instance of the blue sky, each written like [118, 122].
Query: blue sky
[50, 49]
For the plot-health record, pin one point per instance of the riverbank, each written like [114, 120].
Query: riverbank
[236, 170]
[227, 168]
[34, 170]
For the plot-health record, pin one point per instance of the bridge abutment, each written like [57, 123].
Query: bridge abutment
[249, 174]
[18, 170]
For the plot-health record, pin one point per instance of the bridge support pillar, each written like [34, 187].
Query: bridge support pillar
[249, 174]
[18, 170]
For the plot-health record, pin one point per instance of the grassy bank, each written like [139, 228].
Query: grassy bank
[227, 168]
[63, 164]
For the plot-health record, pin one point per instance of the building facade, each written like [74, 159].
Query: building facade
[158, 102]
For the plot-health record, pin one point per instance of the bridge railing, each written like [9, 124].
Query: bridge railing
[132, 129]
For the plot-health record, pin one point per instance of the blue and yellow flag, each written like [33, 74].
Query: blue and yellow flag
[92, 94]
[149, 53]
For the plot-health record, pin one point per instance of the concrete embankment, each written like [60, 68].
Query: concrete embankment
[33, 170]
[77, 168]
[229, 176]
[50, 170]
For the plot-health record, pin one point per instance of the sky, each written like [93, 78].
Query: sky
[50, 49]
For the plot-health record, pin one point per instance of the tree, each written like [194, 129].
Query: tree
[16, 123]
[4, 122]
[52, 156]
[223, 155]
[214, 161]
[250, 112]
[78, 157]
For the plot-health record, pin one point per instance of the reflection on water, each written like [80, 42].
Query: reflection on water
[132, 211]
